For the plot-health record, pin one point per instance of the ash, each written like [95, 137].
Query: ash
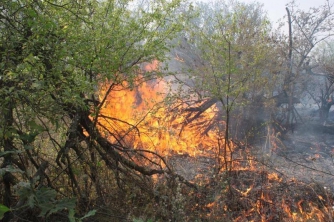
[304, 155]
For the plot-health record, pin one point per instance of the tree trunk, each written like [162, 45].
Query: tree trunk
[289, 85]
[8, 178]
[324, 109]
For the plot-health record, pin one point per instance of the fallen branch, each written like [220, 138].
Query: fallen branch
[111, 150]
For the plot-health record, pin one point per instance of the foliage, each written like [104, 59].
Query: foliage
[44, 199]
[229, 37]
[226, 55]
[140, 220]
[54, 55]
[57, 55]
[3, 210]
[72, 218]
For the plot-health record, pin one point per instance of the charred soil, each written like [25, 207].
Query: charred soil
[293, 181]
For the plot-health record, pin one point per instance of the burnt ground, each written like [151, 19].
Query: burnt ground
[307, 154]
[302, 191]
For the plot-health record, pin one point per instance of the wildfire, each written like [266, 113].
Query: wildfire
[138, 117]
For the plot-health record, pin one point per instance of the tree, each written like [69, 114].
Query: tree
[54, 54]
[307, 30]
[226, 52]
[320, 83]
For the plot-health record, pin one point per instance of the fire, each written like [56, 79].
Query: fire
[274, 177]
[138, 117]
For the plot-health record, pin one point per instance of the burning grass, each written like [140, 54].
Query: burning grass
[138, 118]
[261, 196]
[255, 194]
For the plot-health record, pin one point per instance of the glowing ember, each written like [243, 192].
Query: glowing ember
[274, 177]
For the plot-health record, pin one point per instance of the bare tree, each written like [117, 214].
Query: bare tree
[320, 84]
[306, 30]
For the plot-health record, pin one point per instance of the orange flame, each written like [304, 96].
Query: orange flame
[138, 117]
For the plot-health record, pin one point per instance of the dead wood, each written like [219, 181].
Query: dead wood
[110, 153]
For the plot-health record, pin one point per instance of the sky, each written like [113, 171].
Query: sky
[276, 8]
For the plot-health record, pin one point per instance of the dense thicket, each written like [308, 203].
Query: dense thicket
[54, 55]
[57, 162]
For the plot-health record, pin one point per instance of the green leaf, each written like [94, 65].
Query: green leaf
[28, 137]
[31, 201]
[45, 194]
[71, 215]
[3, 210]
[89, 214]
[62, 204]
[35, 127]
[4, 153]
[36, 85]
[48, 205]
[28, 147]
[9, 169]
[46, 208]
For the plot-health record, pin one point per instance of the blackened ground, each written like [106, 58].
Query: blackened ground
[306, 154]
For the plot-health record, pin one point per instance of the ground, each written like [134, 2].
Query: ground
[307, 154]
[301, 188]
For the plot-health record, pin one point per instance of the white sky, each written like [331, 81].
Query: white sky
[276, 8]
